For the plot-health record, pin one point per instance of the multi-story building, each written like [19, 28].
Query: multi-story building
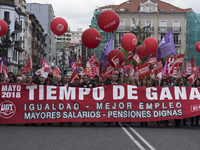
[76, 36]
[45, 14]
[66, 37]
[159, 15]
[11, 44]
[38, 42]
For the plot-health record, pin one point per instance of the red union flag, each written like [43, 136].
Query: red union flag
[179, 61]
[79, 62]
[132, 72]
[107, 71]
[130, 56]
[27, 67]
[127, 67]
[137, 59]
[88, 68]
[116, 62]
[143, 70]
[188, 68]
[56, 71]
[152, 59]
[43, 70]
[170, 65]
[157, 68]
[1, 67]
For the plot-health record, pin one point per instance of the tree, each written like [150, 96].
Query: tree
[141, 33]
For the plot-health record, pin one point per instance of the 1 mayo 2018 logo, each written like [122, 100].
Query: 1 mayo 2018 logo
[7, 109]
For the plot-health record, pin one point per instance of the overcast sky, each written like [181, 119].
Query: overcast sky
[78, 13]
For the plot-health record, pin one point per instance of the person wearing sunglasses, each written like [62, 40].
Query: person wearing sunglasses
[12, 77]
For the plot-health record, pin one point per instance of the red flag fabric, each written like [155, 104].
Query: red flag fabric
[191, 78]
[95, 64]
[130, 56]
[157, 67]
[1, 67]
[152, 59]
[5, 71]
[179, 61]
[27, 67]
[116, 62]
[132, 72]
[143, 70]
[183, 71]
[56, 71]
[198, 71]
[79, 62]
[74, 74]
[188, 68]
[137, 59]
[127, 67]
[44, 64]
[88, 68]
[107, 71]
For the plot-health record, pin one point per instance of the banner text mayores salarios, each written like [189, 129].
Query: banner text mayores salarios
[118, 93]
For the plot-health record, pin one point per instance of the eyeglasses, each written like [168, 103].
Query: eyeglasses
[10, 76]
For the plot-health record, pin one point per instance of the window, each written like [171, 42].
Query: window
[148, 23]
[148, 9]
[122, 25]
[6, 16]
[176, 25]
[162, 36]
[176, 39]
[148, 35]
[161, 9]
[163, 25]
[120, 36]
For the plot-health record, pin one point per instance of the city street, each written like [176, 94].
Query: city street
[100, 137]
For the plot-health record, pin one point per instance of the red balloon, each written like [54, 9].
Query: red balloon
[142, 53]
[59, 26]
[150, 45]
[91, 38]
[116, 53]
[108, 21]
[3, 27]
[197, 47]
[129, 41]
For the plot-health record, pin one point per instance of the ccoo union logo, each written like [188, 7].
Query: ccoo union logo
[60, 27]
[7, 109]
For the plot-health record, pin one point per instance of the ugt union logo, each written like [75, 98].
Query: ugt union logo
[7, 109]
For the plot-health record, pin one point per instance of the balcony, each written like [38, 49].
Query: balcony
[21, 62]
[129, 28]
[176, 43]
[166, 29]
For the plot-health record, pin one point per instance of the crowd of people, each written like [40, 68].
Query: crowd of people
[116, 78]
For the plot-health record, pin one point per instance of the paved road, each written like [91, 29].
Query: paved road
[100, 137]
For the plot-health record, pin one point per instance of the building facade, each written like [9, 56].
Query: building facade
[11, 44]
[45, 14]
[66, 37]
[159, 15]
[37, 42]
[76, 36]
